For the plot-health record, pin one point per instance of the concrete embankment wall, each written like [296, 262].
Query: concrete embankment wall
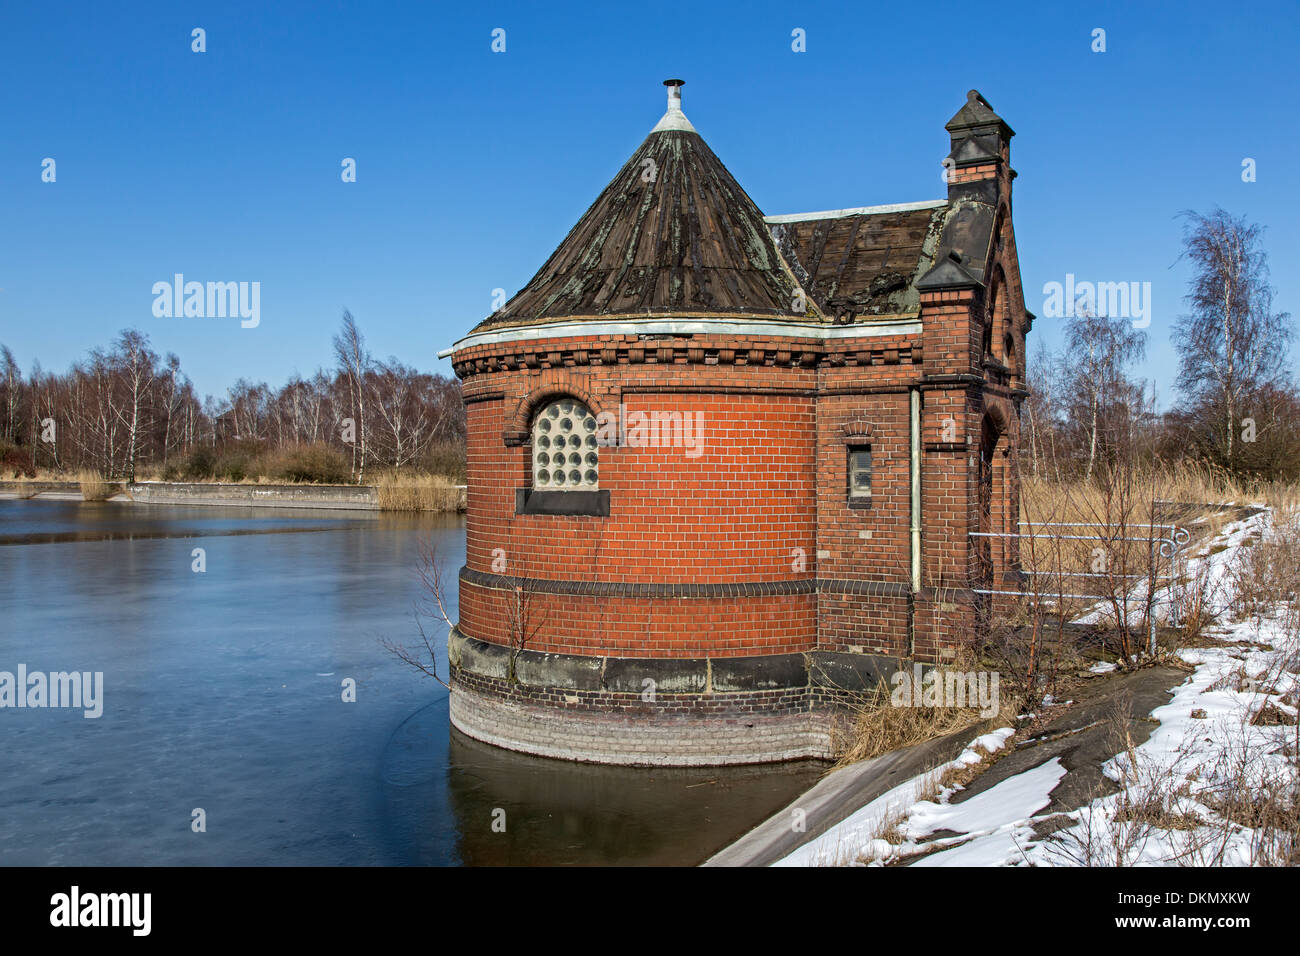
[31, 489]
[335, 497]
[345, 497]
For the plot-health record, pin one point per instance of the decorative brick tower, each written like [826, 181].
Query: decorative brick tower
[724, 468]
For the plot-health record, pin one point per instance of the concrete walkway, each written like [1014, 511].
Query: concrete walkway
[1080, 733]
[838, 795]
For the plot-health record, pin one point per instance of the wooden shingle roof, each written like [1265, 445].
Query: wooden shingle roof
[674, 234]
[861, 262]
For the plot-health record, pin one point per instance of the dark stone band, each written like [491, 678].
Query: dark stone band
[831, 672]
[686, 589]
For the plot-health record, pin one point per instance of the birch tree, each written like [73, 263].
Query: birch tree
[1232, 345]
[354, 363]
[1099, 351]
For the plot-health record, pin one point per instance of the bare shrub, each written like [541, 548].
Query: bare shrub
[431, 618]
[1196, 601]
[314, 463]
[525, 620]
[1265, 577]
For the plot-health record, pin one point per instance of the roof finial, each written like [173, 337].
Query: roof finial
[674, 93]
[674, 119]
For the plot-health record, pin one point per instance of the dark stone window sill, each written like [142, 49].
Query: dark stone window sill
[593, 504]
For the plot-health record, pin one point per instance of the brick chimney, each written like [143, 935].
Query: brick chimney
[981, 146]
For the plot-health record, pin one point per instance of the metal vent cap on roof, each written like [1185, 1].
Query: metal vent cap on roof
[674, 119]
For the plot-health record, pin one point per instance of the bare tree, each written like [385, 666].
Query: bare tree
[134, 365]
[122, 408]
[1232, 345]
[354, 363]
[1042, 413]
[172, 400]
[11, 394]
[45, 405]
[522, 619]
[410, 408]
[1100, 351]
[250, 410]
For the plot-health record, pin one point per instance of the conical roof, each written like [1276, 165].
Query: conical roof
[673, 233]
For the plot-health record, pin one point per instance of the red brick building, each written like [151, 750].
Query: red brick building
[723, 466]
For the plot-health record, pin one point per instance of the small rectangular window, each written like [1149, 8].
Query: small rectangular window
[859, 474]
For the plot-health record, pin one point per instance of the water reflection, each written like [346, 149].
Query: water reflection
[565, 814]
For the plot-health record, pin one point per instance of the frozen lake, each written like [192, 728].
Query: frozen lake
[222, 690]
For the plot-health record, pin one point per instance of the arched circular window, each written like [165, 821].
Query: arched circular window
[565, 453]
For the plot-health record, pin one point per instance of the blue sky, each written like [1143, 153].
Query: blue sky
[472, 165]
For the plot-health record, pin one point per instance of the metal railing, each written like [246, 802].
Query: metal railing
[1166, 548]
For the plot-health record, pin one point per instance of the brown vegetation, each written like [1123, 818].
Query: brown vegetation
[413, 492]
[94, 487]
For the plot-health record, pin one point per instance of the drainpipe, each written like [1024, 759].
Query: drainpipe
[916, 489]
[914, 468]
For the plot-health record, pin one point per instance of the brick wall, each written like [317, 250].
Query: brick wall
[750, 545]
[763, 503]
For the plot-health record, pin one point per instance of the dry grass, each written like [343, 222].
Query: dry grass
[1189, 483]
[958, 776]
[399, 492]
[42, 474]
[888, 828]
[1265, 802]
[1185, 483]
[1265, 577]
[876, 725]
[1152, 799]
[1104, 517]
[880, 843]
[94, 487]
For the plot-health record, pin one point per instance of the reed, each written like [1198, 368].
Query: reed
[416, 492]
[93, 486]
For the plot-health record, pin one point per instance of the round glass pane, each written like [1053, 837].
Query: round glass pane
[565, 446]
